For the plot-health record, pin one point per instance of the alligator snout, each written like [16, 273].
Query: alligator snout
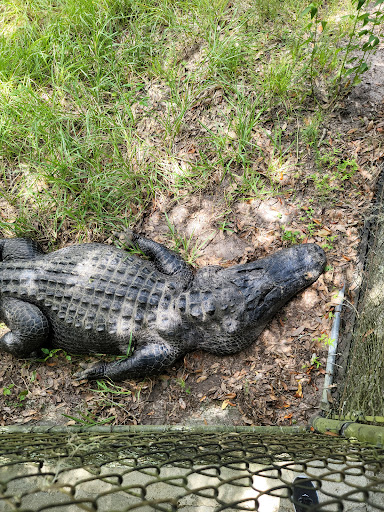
[296, 267]
[307, 258]
[278, 277]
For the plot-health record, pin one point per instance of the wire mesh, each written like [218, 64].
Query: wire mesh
[175, 470]
[362, 379]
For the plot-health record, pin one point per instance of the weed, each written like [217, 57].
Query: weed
[256, 185]
[181, 382]
[130, 349]
[308, 217]
[291, 237]
[226, 225]
[338, 172]
[313, 37]
[282, 79]
[346, 169]
[325, 340]
[324, 184]
[184, 244]
[247, 115]
[181, 99]
[89, 419]
[104, 387]
[55, 352]
[315, 362]
[138, 392]
[321, 52]
[354, 66]
[342, 169]
[111, 394]
[310, 132]
[7, 389]
[327, 244]
[14, 399]
[329, 158]
[23, 395]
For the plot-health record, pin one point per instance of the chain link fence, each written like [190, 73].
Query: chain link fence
[362, 385]
[359, 367]
[168, 469]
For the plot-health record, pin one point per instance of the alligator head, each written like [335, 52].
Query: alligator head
[244, 298]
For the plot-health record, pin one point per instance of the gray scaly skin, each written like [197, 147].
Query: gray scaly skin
[95, 298]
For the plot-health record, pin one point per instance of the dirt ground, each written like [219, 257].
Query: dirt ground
[278, 380]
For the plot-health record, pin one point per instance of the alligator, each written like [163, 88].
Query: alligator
[95, 298]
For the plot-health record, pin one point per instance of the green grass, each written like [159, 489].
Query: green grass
[102, 102]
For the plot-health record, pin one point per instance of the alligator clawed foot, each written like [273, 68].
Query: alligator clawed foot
[125, 236]
[92, 372]
[81, 375]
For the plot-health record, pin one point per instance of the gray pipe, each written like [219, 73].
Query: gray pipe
[332, 351]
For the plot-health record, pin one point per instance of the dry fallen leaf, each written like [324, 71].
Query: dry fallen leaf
[298, 331]
[225, 404]
[323, 232]
[299, 392]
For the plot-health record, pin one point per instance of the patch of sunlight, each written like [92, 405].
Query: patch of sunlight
[173, 169]
[271, 210]
[280, 171]
[32, 181]
[375, 295]
[9, 25]
[5, 87]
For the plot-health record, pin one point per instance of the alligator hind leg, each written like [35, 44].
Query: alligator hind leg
[29, 329]
[19, 249]
[146, 360]
[165, 260]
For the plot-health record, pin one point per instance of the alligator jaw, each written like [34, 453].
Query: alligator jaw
[267, 284]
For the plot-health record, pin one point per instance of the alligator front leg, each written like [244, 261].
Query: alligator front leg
[166, 261]
[29, 329]
[146, 360]
[19, 249]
